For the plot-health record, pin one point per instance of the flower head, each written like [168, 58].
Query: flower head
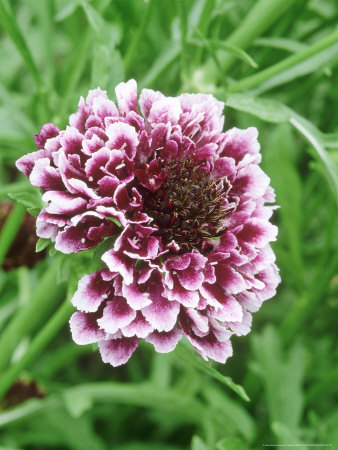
[191, 255]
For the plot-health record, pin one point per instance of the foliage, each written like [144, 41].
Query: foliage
[274, 64]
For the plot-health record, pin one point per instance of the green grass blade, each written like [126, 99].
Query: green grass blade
[7, 20]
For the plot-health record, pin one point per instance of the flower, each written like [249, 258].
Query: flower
[187, 205]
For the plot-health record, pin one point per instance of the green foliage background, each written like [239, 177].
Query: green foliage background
[274, 64]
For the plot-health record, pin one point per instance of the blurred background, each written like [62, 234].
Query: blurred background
[275, 65]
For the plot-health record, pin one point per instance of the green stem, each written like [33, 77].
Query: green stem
[7, 19]
[10, 229]
[132, 49]
[144, 395]
[37, 345]
[182, 10]
[168, 56]
[78, 66]
[287, 63]
[261, 16]
[203, 26]
[41, 302]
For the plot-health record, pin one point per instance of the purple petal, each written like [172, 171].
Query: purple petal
[63, 203]
[139, 327]
[135, 298]
[118, 351]
[122, 136]
[147, 98]
[117, 262]
[84, 329]
[44, 176]
[164, 342]
[116, 314]
[162, 313]
[126, 94]
[91, 292]
[48, 131]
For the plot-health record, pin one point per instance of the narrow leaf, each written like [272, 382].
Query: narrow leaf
[42, 244]
[188, 355]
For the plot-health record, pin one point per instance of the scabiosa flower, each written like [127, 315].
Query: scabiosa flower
[191, 255]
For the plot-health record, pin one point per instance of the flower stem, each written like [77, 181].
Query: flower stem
[37, 345]
[10, 229]
[42, 300]
[202, 26]
[287, 63]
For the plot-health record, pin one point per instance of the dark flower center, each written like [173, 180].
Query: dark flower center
[189, 207]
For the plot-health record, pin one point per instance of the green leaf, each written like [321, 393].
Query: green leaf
[113, 219]
[107, 244]
[34, 211]
[285, 434]
[94, 18]
[276, 112]
[306, 67]
[282, 376]
[329, 167]
[104, 33]
[76, 403]
[290, 45]
[169, 54]
[279, 163]
[231, 443]
[9, 23]
[52, 251]
[233, 411]
[198, 444]
[264, 108]
[236, 51]
[187, 354]
[65, 9]
[28, 199]
[42, 244]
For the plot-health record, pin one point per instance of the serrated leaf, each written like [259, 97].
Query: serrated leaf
[42, 244]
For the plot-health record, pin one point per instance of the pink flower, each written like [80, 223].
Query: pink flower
[193, 256]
